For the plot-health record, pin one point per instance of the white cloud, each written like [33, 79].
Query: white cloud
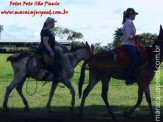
[96, 19]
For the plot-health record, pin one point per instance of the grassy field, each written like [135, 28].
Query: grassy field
[121, 97]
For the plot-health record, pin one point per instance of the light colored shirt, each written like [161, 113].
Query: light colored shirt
[129, 32]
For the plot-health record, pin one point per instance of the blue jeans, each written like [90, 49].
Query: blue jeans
[133, 54]
[57, 63]
[57, 60]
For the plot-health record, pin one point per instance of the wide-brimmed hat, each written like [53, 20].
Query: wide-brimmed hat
[131, 11]
[50, 20]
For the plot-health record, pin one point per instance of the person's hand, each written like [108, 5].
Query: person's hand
[52, 54]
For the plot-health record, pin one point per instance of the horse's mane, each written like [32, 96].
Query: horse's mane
[103, 53]
[15, 58]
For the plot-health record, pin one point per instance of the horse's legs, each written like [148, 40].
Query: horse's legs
[104, 95]
[69, 86]
[93, 79]
[12, 85]
[148, 98]
[19, 90]
[53, 88]
[139, 100]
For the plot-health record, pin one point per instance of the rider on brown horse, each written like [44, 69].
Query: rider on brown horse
[129, 42]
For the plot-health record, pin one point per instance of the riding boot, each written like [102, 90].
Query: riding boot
[130, 79]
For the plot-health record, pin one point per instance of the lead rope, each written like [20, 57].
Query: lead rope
[27, 88]
[28, 80]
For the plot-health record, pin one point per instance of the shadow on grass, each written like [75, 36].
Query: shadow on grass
[63, 114]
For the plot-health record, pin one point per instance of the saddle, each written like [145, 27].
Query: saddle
[122, 57]
[45, 61]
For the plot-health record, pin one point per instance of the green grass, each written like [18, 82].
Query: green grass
[121, 97]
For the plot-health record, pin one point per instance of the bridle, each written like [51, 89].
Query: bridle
[73, 56]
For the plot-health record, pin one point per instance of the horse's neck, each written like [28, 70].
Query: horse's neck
[77, 56]
[155, 58]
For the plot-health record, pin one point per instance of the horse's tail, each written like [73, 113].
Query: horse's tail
[81, 79]
[17, 57]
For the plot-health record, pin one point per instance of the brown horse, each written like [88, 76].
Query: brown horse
[102, 67]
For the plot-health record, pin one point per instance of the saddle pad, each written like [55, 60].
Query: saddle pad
[48, 59]
[123, 58]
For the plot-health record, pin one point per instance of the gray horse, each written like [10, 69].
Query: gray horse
[19, 65]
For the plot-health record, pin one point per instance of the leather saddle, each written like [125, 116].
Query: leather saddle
[44, 60]
[121, 56]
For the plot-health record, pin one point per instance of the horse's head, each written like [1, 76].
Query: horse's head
[159, 42]
[156, 51]
[75, 47]
[83, 49]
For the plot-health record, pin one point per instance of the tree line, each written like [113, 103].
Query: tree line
[117, 40]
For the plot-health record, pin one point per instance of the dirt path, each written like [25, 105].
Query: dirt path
[65, 117]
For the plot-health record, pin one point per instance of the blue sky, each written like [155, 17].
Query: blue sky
[96, 19]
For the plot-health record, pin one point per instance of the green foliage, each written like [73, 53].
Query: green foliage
[58, 31]
[109, 46]
[75, 35]
[148, 42]
[61, 102]
[65, 32]
[99, 48]
[1, 29]
[76, 43]
[118, 37]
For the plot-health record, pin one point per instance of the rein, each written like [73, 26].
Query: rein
[151, 39]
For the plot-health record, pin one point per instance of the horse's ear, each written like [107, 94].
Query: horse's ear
[161, 27]
[160, 31]
[87, 46]
[160, 36]
[87, 43]
[83, 44]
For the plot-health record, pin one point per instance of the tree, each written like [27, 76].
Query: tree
[74, 35]
[99, 48]
[58, 31]
[110, 46]
[1, 29]
[118, 37]
[146, 42]
[69, 34]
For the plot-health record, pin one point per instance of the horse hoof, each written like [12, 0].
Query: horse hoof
[114, 117]
[152, 113]
[80, 116]
[26, 109]
[72, 109]
[6, 109]
[126, 114]
[51, 110]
